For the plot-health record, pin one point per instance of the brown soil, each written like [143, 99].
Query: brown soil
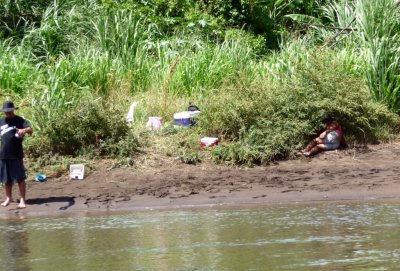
[367, 174]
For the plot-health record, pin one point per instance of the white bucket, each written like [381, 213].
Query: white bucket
[77, 171]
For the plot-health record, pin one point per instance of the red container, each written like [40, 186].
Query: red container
[208, 142]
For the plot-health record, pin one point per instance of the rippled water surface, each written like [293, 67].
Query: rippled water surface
[296, 237]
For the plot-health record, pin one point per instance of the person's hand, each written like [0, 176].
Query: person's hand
[21, 132]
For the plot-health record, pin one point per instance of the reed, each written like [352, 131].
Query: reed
[379, 27]
[209, 67]
[16, 71]
[376, 25]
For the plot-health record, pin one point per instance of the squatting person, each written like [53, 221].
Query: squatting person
[13, 128]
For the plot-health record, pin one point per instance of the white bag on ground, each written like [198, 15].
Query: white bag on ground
[131, 113]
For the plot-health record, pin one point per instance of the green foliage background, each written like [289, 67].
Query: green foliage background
[262, 72]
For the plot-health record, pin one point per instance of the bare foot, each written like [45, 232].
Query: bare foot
[6, 202]
[21, 204]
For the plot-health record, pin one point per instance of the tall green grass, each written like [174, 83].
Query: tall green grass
[123, 36]
[282, 64]
[376, 25]
[209, 67]
[379, 29]
[16, 71]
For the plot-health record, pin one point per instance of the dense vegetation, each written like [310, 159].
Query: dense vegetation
[263, 73]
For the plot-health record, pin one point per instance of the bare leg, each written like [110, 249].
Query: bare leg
[22, 191]
[8, 189]
[315, 150]
[311, 145]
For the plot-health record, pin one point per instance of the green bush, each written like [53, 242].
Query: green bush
[89, 127]
[263, 122]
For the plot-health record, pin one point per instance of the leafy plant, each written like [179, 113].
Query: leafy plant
[88, 124]
[263, 122]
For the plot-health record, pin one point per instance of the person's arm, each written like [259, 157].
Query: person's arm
[331, 127]
[24, 131]
[25, 128]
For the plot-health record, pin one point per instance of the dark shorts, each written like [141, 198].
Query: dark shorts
[12, 171]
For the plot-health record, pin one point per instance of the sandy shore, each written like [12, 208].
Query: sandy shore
[367, 174]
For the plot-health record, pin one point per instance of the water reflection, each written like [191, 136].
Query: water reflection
[324, 237]
[15, 245]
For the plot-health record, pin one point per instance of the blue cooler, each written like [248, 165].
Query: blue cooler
[184, 118]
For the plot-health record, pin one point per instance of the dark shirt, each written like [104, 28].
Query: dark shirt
[11, 146]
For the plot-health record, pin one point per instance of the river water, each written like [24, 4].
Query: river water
[331, 236]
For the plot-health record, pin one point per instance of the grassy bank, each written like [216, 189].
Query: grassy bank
[76, 73]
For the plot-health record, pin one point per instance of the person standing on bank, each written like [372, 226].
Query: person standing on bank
[13, 128]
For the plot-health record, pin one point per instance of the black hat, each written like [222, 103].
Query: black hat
[8, 106]
[328, 119]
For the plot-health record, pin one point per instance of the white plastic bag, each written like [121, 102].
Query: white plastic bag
[131, 113]
[154, 123]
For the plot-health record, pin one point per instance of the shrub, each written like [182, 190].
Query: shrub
[90, 126]
[266, 122]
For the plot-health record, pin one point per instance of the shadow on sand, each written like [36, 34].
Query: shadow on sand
[69, 200]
